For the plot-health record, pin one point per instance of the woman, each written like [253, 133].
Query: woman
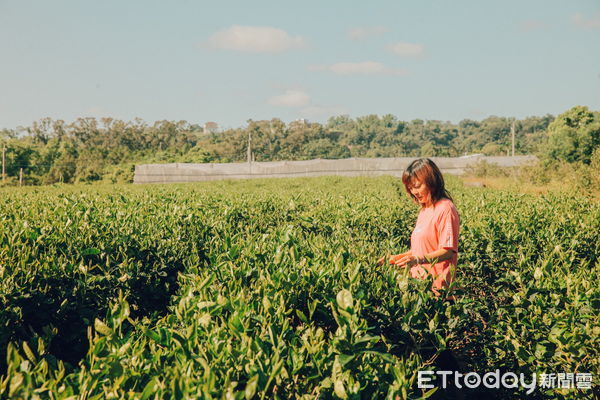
[434, 241]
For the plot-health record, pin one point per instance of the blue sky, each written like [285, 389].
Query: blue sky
[230, 61]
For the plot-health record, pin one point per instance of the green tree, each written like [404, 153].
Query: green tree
[64, 167]
[428, 150]
[574, 135]
[493, 149]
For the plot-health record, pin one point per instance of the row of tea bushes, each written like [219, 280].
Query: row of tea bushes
[278, 293]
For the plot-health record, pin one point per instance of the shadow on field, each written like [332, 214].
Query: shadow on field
[60, 308]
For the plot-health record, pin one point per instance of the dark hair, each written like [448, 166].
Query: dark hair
[427, 172]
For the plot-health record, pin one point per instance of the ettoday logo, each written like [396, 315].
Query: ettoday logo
[507, 380]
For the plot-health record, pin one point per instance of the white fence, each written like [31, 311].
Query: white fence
[179, 172]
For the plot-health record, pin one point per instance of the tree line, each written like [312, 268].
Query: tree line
[90, 149]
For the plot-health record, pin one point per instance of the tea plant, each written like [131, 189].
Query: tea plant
[270, 289]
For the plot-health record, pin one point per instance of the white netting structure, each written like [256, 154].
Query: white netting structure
[181, 172]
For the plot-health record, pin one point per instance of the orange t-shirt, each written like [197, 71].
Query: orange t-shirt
[436, 228]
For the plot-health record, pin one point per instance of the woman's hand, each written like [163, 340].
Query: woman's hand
[393, 259]
[406, 261]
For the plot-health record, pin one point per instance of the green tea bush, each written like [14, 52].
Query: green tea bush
[273, 290]
[65, 258]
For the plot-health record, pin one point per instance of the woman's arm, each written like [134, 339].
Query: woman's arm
[439, 255]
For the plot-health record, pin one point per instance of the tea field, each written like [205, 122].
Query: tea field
[270, 289]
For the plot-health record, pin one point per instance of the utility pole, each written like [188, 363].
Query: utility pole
[3, 163]
[512, 132]
[21, 177]
[249, 146]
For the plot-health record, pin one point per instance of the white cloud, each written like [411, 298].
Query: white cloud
[365, 32]
[291, 98]
[586, 23]
[358, 68]
[407, 49]
[316, 112]
[255, 39]
[532, 25]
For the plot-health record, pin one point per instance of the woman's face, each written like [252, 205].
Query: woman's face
[421, 192]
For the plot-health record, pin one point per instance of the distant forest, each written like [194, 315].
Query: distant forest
[89, 149]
